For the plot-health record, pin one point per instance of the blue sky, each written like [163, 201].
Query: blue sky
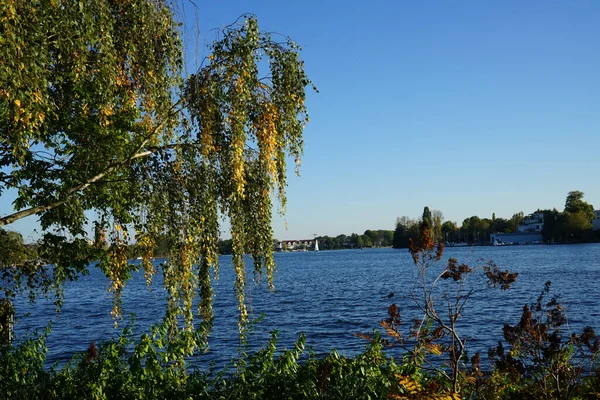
[468, 107]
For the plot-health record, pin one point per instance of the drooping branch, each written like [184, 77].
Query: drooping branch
[137, 153]
[9, 219]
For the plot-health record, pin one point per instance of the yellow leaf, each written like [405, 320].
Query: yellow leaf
[18, 102]
[435, 349]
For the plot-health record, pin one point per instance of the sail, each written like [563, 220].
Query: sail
[316, 245]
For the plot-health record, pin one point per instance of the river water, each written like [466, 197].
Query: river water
[331, 296]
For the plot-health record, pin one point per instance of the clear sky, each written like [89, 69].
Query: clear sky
[468, 107]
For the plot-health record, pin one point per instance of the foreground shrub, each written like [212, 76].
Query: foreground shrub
[538, 364]
[120, 369]
[22, 373]
[434, 340]
[544, 359]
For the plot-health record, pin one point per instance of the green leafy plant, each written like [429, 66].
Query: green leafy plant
[22, 368]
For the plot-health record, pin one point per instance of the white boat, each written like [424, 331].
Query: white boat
[316, 245]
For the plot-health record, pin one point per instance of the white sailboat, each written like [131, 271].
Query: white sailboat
[316, 245]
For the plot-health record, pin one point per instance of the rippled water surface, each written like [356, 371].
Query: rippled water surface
[331, 296]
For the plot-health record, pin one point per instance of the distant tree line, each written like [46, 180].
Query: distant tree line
[408, 228]
[573, 225]
[13, 249]
[371, 238]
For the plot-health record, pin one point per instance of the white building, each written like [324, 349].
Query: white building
[295, 245]
[529, 232]
[532, 223]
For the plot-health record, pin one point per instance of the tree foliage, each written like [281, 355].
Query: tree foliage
[96, 116]
[437, 218]
[574, 204]
[406, 229]
[427, 217]
[449, 231]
